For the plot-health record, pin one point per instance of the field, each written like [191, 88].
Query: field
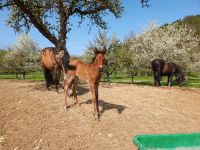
[193, 80]
[33, 118]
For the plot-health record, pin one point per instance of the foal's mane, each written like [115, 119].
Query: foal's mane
[93, 59]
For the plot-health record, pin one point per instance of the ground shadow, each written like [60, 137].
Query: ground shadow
[41, 86]
[107, 106]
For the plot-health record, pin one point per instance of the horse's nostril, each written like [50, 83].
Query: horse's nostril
[100, 68]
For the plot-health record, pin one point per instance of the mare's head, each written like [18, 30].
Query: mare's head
[99, 57]
[61, 55]
[180, 77]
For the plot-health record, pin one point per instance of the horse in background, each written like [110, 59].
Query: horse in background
[53, 60]
[91, 73]
[162, 68]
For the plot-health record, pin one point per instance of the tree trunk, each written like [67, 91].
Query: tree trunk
[132, 75]
[24, 75]
[16, 73]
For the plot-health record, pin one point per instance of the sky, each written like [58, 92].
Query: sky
[133, 20]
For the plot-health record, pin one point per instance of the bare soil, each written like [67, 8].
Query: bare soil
[33, 118]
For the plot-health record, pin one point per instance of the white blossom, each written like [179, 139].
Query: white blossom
[175, 43]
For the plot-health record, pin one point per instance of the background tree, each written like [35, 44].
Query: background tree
[52, 17]
[126, 60]
[24, 56]
[2, 55]
[173, 42]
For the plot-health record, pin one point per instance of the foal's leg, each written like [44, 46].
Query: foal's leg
[74, 88]
[65, 93]
[97, 98]
[67, 84]
[94, 100]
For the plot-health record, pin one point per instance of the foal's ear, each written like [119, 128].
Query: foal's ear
[96, 51]
[104, 51]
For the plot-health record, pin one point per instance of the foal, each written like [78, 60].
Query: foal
[91, 73]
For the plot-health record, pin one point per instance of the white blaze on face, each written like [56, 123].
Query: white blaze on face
[101, 66]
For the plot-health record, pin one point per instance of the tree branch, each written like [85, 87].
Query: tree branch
[37, 22]
[5, 5]
[89, 12]
[70, 8]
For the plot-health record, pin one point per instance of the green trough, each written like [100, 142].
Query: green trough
[168, 141]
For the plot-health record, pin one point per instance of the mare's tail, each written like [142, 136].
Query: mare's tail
[71, 67]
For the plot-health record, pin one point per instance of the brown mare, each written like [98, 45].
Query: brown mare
[53, 60]
[91, 73]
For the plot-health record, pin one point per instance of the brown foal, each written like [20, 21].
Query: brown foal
[91, 73]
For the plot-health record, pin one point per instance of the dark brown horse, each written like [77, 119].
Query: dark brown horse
[161, 68]
[53, 60]
[91, 73]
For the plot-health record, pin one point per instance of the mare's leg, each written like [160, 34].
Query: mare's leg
[57, 73]
[155, 78]
[46, 76]
[94, 99]
[56, 79]
[159, 79]
[170, 80]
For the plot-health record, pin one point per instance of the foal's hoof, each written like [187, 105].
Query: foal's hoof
[66, 108]
[78, 104]
[97, 116]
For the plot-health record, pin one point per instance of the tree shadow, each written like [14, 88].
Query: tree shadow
[38, 86]
[81, 88]
[107, 106]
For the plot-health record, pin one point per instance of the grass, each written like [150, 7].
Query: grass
[29, 76]
[192, 81]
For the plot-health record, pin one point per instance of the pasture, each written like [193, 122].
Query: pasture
[193, 79]
[34, 118]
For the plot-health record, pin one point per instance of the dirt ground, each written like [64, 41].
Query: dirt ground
[33, 118]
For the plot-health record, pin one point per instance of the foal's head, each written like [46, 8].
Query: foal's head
[99, 57]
